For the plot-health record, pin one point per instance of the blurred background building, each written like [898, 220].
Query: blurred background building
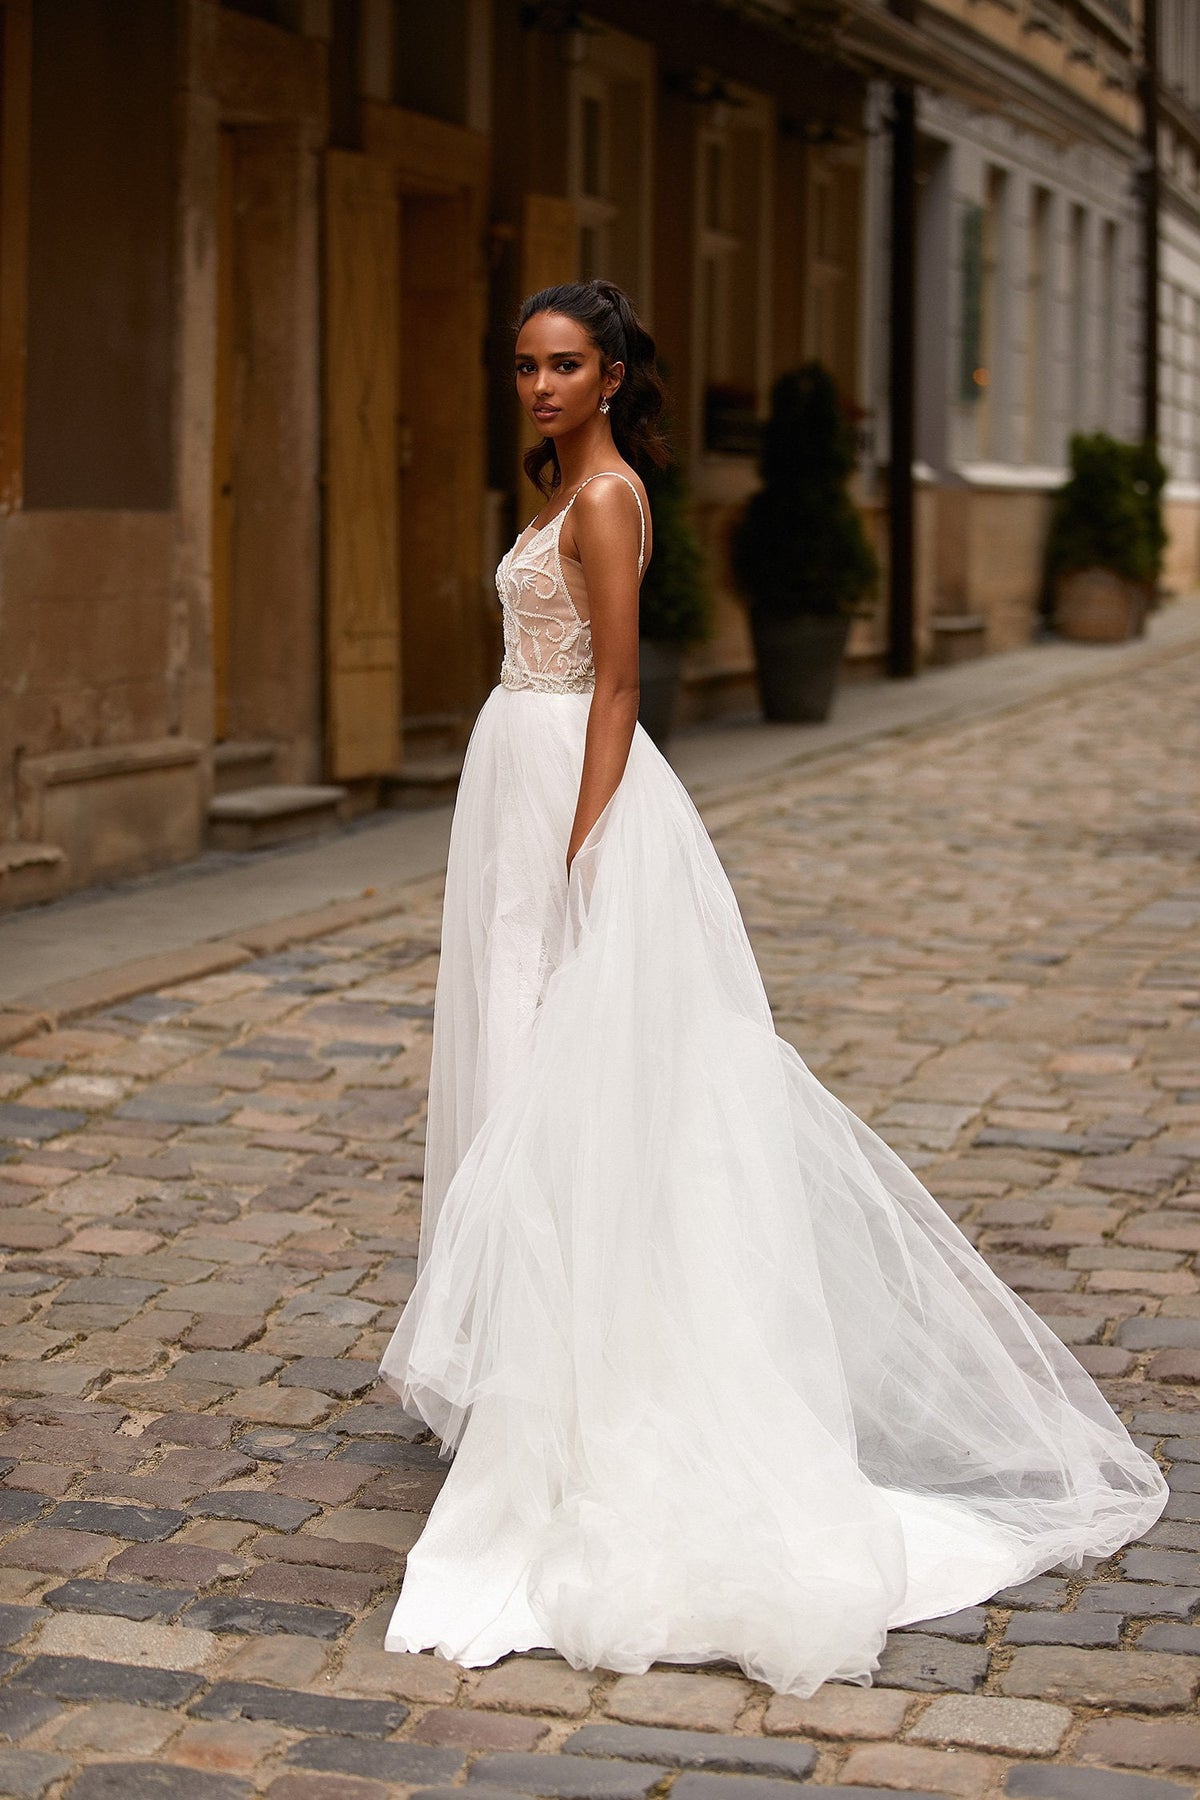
[259, 263]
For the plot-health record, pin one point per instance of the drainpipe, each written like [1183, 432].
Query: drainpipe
[902, 649]
[1150, 185]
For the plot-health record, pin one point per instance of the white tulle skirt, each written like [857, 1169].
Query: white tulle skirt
[721, 1379]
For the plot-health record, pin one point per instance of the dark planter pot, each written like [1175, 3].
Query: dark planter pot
[1094, 606]
[798, 662]
[661, 669]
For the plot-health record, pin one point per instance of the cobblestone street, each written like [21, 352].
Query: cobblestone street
[984, 937]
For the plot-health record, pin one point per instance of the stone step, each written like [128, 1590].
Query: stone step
[429, 780]
[257, 817]
[957, 637]
[30, 873]
[242, 763]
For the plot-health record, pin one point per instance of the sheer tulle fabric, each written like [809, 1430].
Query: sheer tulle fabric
[723, 1380]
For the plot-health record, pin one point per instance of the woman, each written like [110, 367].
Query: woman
[721, 1379]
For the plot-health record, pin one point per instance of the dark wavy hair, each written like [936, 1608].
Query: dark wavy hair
[606, 313]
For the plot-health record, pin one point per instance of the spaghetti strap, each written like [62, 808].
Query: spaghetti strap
[641, 513]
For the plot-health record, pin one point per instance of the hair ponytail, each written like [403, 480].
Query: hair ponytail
[606, 313]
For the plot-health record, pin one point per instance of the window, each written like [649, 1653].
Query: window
[732, 284]
[991, 288]
[1110, 326]
[431, 46]
[1038, 314]
[1078, 319]
[609, 161]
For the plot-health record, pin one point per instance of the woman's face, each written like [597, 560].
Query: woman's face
[560, 375]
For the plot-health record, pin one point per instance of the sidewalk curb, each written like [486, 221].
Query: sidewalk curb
[47, 1008]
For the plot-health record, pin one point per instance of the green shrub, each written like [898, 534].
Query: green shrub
[1109, 513]
[800, 546]
[676, 602]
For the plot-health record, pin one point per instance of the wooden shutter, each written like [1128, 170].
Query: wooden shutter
[362, 575]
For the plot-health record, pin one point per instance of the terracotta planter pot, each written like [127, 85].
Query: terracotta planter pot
[660, 672]
[798, 662]
[1094, 606]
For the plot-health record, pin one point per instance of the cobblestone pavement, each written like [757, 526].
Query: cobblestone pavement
[985, 939]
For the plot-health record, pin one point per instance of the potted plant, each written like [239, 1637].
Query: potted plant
[800, 552]
[1106, 539]
[675, 600]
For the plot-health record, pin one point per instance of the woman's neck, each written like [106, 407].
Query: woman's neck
[584, 452]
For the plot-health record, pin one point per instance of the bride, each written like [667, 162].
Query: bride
[720, 1379]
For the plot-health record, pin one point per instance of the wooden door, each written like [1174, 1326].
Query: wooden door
[362, 575]
[223, 440]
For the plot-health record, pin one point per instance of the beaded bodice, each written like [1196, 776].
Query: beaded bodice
[547, 631]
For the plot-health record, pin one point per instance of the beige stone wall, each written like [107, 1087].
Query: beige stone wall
[1181, 568]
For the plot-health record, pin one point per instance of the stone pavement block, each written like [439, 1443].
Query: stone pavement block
[25, 1774]
[839, 1710]
[411, 1677]
[225, 1368]
[1149, 1679]
[141, 1524]
[329, 1484]
[699, 1785]
[460, 1727]
[279, 1512]
[115, 1728]
[693, 1750]
[18, 1509]
[930, 1664]
[291, 1662]
[1033, 1781]
[535, 1684]
[22, 1713]
[961, 1773]
[241, 1613]
[114, 1639]
[989, 1723]
[278, 1406]
[1181, 1640]
[968, 1626]
[1139, 1600]
[1174, 1566]
[1090, 1628]
[1141, 1743]
[327, 1553]
[566, 1777]
[297, 1584]
[703, 1702]
[82, 1678]
[331, 1375]
[304, 1712]
[402, 1764]
[58, 1552]
[177, 1565]
[333, 1787]
[232, 1746]
[149, 1781]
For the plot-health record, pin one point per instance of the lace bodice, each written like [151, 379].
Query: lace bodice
[547, 632]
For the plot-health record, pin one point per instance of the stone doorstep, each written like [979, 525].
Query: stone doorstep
[238, 765]
[30, 874]
[255, 818]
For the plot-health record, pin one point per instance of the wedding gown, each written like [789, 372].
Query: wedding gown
[721, 1380]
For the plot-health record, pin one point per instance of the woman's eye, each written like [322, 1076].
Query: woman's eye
[568, 366]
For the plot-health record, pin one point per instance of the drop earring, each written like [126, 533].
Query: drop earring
[604, 404]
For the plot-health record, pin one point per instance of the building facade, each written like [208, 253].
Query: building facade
[259, 264]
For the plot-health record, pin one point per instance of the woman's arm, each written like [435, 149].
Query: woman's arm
[608, 531]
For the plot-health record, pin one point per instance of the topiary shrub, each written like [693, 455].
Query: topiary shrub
[1109, 513]
[676, 599]
[800, 547]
